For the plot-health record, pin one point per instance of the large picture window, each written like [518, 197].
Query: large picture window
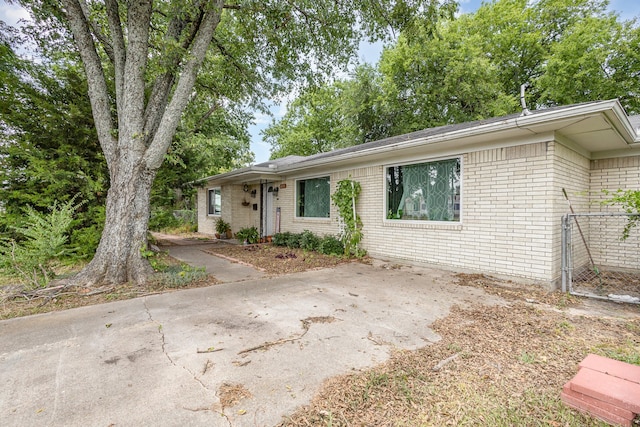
[424, 191]
[313, 198]
[215, 201]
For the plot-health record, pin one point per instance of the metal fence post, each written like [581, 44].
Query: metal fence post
[563, 268]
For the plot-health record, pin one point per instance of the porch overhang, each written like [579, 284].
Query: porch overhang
[248, 175]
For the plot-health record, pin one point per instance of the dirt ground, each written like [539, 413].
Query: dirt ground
[501, 366]
[278, 260]
[14, 303]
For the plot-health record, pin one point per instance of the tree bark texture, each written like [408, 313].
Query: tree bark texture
[119, 257]
[136, 142]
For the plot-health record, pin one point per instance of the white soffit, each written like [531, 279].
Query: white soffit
[595, 134]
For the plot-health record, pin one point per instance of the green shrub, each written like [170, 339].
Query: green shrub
[330, 245]
[288, 239]
[42, 241]
[280, 239]
[309, 241]
[629, 201]
[293, 240]
[162, 219]
[222, 226]
[248, 234]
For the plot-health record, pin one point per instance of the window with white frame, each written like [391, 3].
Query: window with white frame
[424, 191]
[215, 201]
[312, 198]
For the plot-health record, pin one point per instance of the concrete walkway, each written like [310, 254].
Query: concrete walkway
[193, 252]
[165, 360]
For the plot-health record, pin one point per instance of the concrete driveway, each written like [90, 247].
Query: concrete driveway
[164, 360]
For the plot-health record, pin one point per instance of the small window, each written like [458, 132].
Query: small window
[424, 191]
[215, 201]
[313, 199]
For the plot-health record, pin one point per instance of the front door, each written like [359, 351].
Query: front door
[268, 212]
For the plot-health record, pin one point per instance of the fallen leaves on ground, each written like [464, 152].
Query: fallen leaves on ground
[499, 366]
[276, 259]
[232, 394]
[271, 259]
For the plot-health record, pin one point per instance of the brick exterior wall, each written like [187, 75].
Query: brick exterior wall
[233, 211]
[206, 222]
[511, 209]
[611, 175]
[286, 201]
[504, 218]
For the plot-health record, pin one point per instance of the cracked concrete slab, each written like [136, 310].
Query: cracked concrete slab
[162, 359]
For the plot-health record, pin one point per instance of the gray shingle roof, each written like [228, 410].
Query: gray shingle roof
[283, 161]
[425, 133]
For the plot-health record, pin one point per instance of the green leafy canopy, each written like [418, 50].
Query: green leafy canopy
[446, 70]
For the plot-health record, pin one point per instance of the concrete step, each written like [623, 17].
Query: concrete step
[617, 391]
[595, 410]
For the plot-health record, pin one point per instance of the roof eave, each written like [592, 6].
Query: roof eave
[249, 173]
[534, 124]
[612, 109]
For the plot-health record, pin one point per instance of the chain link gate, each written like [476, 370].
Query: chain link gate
[596, 261]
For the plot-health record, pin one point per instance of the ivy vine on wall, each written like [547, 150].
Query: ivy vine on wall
[345, 198]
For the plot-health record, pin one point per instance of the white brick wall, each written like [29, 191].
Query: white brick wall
[236, 214]
[512, 205]
[233, 211]
[286, 200]
[571, 172]
[505, 216]
[612, 174]
[206, 223]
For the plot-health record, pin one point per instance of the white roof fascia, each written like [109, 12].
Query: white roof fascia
[239, 172]
[612, 110]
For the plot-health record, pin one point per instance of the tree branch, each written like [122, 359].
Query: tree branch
[223, 51]
[119, 51]
[163, 83]
[98, 93]
[98, 31]
[131, 115]
[172, 114]
[205, 116]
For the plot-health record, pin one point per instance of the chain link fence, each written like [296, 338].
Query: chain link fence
[596, 261]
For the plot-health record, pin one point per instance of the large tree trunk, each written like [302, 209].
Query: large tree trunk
[144, 132]
[119, 258]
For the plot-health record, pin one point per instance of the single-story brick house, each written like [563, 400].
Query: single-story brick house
[483, 196]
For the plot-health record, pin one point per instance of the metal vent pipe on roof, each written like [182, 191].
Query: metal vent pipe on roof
[523, 102]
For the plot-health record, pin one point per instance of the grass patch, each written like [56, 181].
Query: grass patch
[170, 275]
